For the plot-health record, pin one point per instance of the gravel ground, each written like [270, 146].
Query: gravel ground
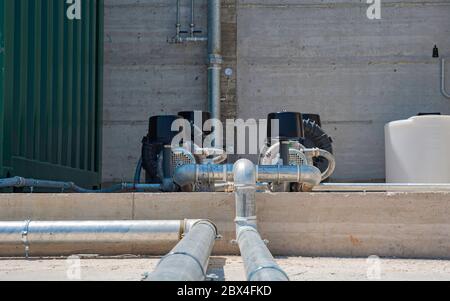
[226, 268]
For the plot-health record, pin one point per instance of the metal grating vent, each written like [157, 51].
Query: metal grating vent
[180, 158]
[297, 158]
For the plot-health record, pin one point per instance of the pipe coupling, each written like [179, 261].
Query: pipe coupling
[215, 59]
[191, 223]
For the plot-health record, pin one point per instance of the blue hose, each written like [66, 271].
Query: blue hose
[20, 182]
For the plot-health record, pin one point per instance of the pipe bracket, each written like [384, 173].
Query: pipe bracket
[188, 255]
[215, 59]
[202, 221]
[272, 267]
[244, 228]
[25, 241]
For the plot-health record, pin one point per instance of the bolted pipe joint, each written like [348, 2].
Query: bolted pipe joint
[209, 173]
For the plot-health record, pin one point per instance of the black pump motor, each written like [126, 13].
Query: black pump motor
[196, 128]
[159, 158]
[159, 135]
[304, 128]
[290, 125]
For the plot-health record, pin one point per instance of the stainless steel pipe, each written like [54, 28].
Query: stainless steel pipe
[210, 173]
[58, 238]
[188, 261]
[380, 187]
[214, 57]
[258, 261]
[306, 174]
[245, 191]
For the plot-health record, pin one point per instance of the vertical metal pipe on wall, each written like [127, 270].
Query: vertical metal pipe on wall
[214, 57]
[192, 25]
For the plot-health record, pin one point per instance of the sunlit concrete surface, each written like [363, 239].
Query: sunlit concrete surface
[227, 268]
[400, 225]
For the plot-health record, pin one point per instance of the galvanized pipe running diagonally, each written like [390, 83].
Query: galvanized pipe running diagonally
[259, 262]
[58, 238]
[188, 261]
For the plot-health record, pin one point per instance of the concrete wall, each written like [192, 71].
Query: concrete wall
[406, 225]
[146, 76]
[327, 57]
[324, 57]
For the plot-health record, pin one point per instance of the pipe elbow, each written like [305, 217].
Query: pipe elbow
[244, 172]
[331, 163]
[310, 175]
[185, 175]
[188, 224]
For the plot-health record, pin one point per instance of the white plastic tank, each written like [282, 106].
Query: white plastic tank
[418, 150]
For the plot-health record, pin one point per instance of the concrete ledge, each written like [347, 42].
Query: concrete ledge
[406, 225]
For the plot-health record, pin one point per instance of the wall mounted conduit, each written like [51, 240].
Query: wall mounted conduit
[443, 89]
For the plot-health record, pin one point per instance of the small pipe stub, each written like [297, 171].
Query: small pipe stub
[435, 52]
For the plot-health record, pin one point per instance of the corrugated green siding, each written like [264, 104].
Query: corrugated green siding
[2, 70]
[52, 91]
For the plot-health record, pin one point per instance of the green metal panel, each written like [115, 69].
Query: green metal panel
[2, 72]
[51, 73]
